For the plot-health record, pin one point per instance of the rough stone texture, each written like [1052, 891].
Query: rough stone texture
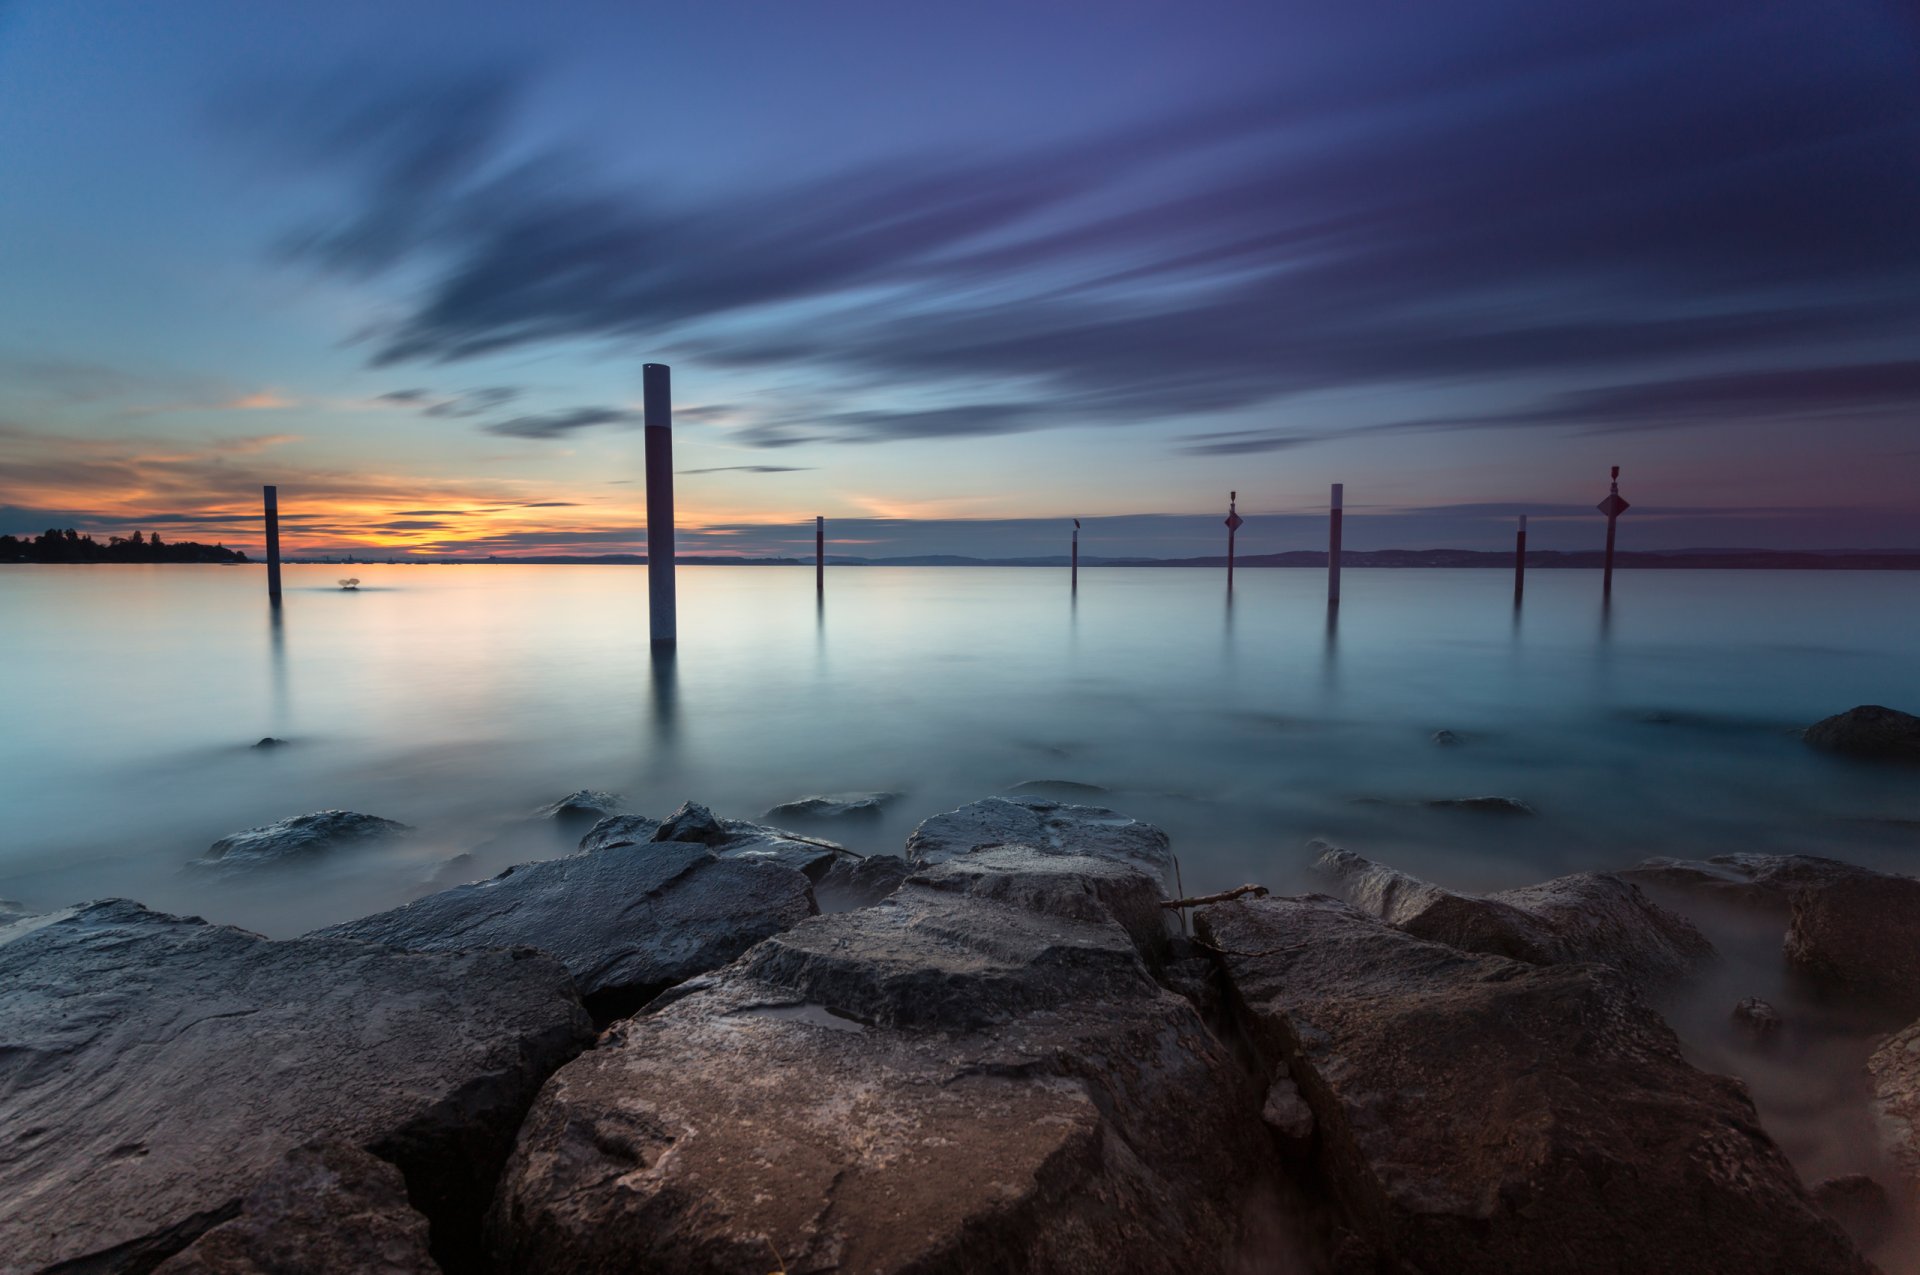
[627, 921]
[839, 805]
[1286, 1112]
[1869, 731]
[1074, 886]
[154, 1068]
[1585, 917]
[588, 806]
[1484, 805]
[327, 1206]
[1043, 825]
[1895, 1068]
[301, 835]
[943, 1082]
[619, 830]
[1860, 1205]
[13, 910]
[1758, 1021]
[1446, 739]
[1848, 926]
[859, 883]
[1475, 1113]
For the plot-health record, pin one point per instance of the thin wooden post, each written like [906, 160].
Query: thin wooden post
[657, 404]
[819, 556]
[1233, 526]
[273, 542]
[1076, 555]
[1613, 506]
[1520, 561]
[1333, 542]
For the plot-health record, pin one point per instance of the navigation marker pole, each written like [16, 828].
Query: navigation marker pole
[1612, 507]
[1076, 555]
[273, 543]
[1233, 525]
[1333, 544]
[819, 556]
[1520, 561]
[657, 407]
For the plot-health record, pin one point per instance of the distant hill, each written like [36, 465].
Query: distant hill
[1546, 559]
[65, 546]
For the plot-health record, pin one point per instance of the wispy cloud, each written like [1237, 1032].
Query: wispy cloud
[560, 424]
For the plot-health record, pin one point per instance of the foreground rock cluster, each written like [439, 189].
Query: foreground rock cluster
[1000, 1051]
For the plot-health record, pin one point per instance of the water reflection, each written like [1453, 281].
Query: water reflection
[666, 697]
[277, 667]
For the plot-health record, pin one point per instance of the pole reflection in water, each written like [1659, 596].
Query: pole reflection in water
[277, 667]
[666, 698]
[1330, 657]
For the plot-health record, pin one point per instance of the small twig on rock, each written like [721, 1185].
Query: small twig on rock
[1198, 901]
[1265, 951]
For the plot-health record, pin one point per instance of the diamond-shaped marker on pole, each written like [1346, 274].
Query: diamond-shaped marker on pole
[1234, 521]
[1613, 506]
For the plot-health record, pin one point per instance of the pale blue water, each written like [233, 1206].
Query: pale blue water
[457, 699]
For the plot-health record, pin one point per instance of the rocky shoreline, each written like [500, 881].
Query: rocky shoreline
[703, 1044]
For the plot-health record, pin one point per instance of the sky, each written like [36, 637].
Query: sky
[951, 275]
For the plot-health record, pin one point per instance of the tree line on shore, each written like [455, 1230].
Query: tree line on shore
[57, 545]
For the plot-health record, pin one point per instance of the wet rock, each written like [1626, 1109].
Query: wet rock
[692, 822]
[944, 1081]
[1848, 926]
[852, 882]
[1758, 1021]
[13, 910]
[1076, 887]
[1588, 916]
[154, 1068]
[455, 869]
[1286, 1112]
[1868, 731]
[1895, 1069]
[301, 835]
[1860, 1205]
[841, 805]
[1484, 805]
[1446, 739]
[1057, 789]
[268, 741]
[1474, 1113]
[1043, 825]
[619, 830]
[327, 1206]
[586, 807]
[627, 921]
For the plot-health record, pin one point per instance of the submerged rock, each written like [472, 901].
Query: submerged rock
[1895, 1069]
[1868, 731]
[840, 805]
[1860, 1205]
[949, 1080]
[327, 1206]
[1588, 916]
[1758, 1021]
[13, 910]
[1484, 805]
[1474, 1113]
[1848, 926]
[268, 741]
[1058, 789]
[1446, 739]
[587, 806]
[694, 824]
[301, 835]
[859, 883]
[627, 921]
[1043, 825]
[154, 1068]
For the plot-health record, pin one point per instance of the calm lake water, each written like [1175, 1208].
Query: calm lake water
[458, 699]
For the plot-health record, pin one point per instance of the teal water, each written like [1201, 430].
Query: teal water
[457, 699]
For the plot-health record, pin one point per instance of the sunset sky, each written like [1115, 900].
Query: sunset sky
[950, 274]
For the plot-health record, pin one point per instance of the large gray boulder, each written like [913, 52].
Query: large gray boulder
[963, 1077]
[1895, 1068]
[1868, 731]
[1043, 825]
[327, 1206]
[300, 836]
[1475, 1113]
[1851, 927]
[859, 882]
[1588, 916]
[154, 1068]
[628, 921]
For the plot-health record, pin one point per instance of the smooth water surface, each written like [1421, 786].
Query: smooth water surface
[459, 698]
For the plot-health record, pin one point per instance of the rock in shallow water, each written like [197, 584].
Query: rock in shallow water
[154, 1068]
[960, 1078]
[694, 824]
[1478, 1114]
[1588, 916]
[1758, 1021]
[588, 806]
[327, 1206]
[1043, 825]
[840, 805]
[1895, 1068]
[299, 836]
[628, 921]
[1869, 731]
